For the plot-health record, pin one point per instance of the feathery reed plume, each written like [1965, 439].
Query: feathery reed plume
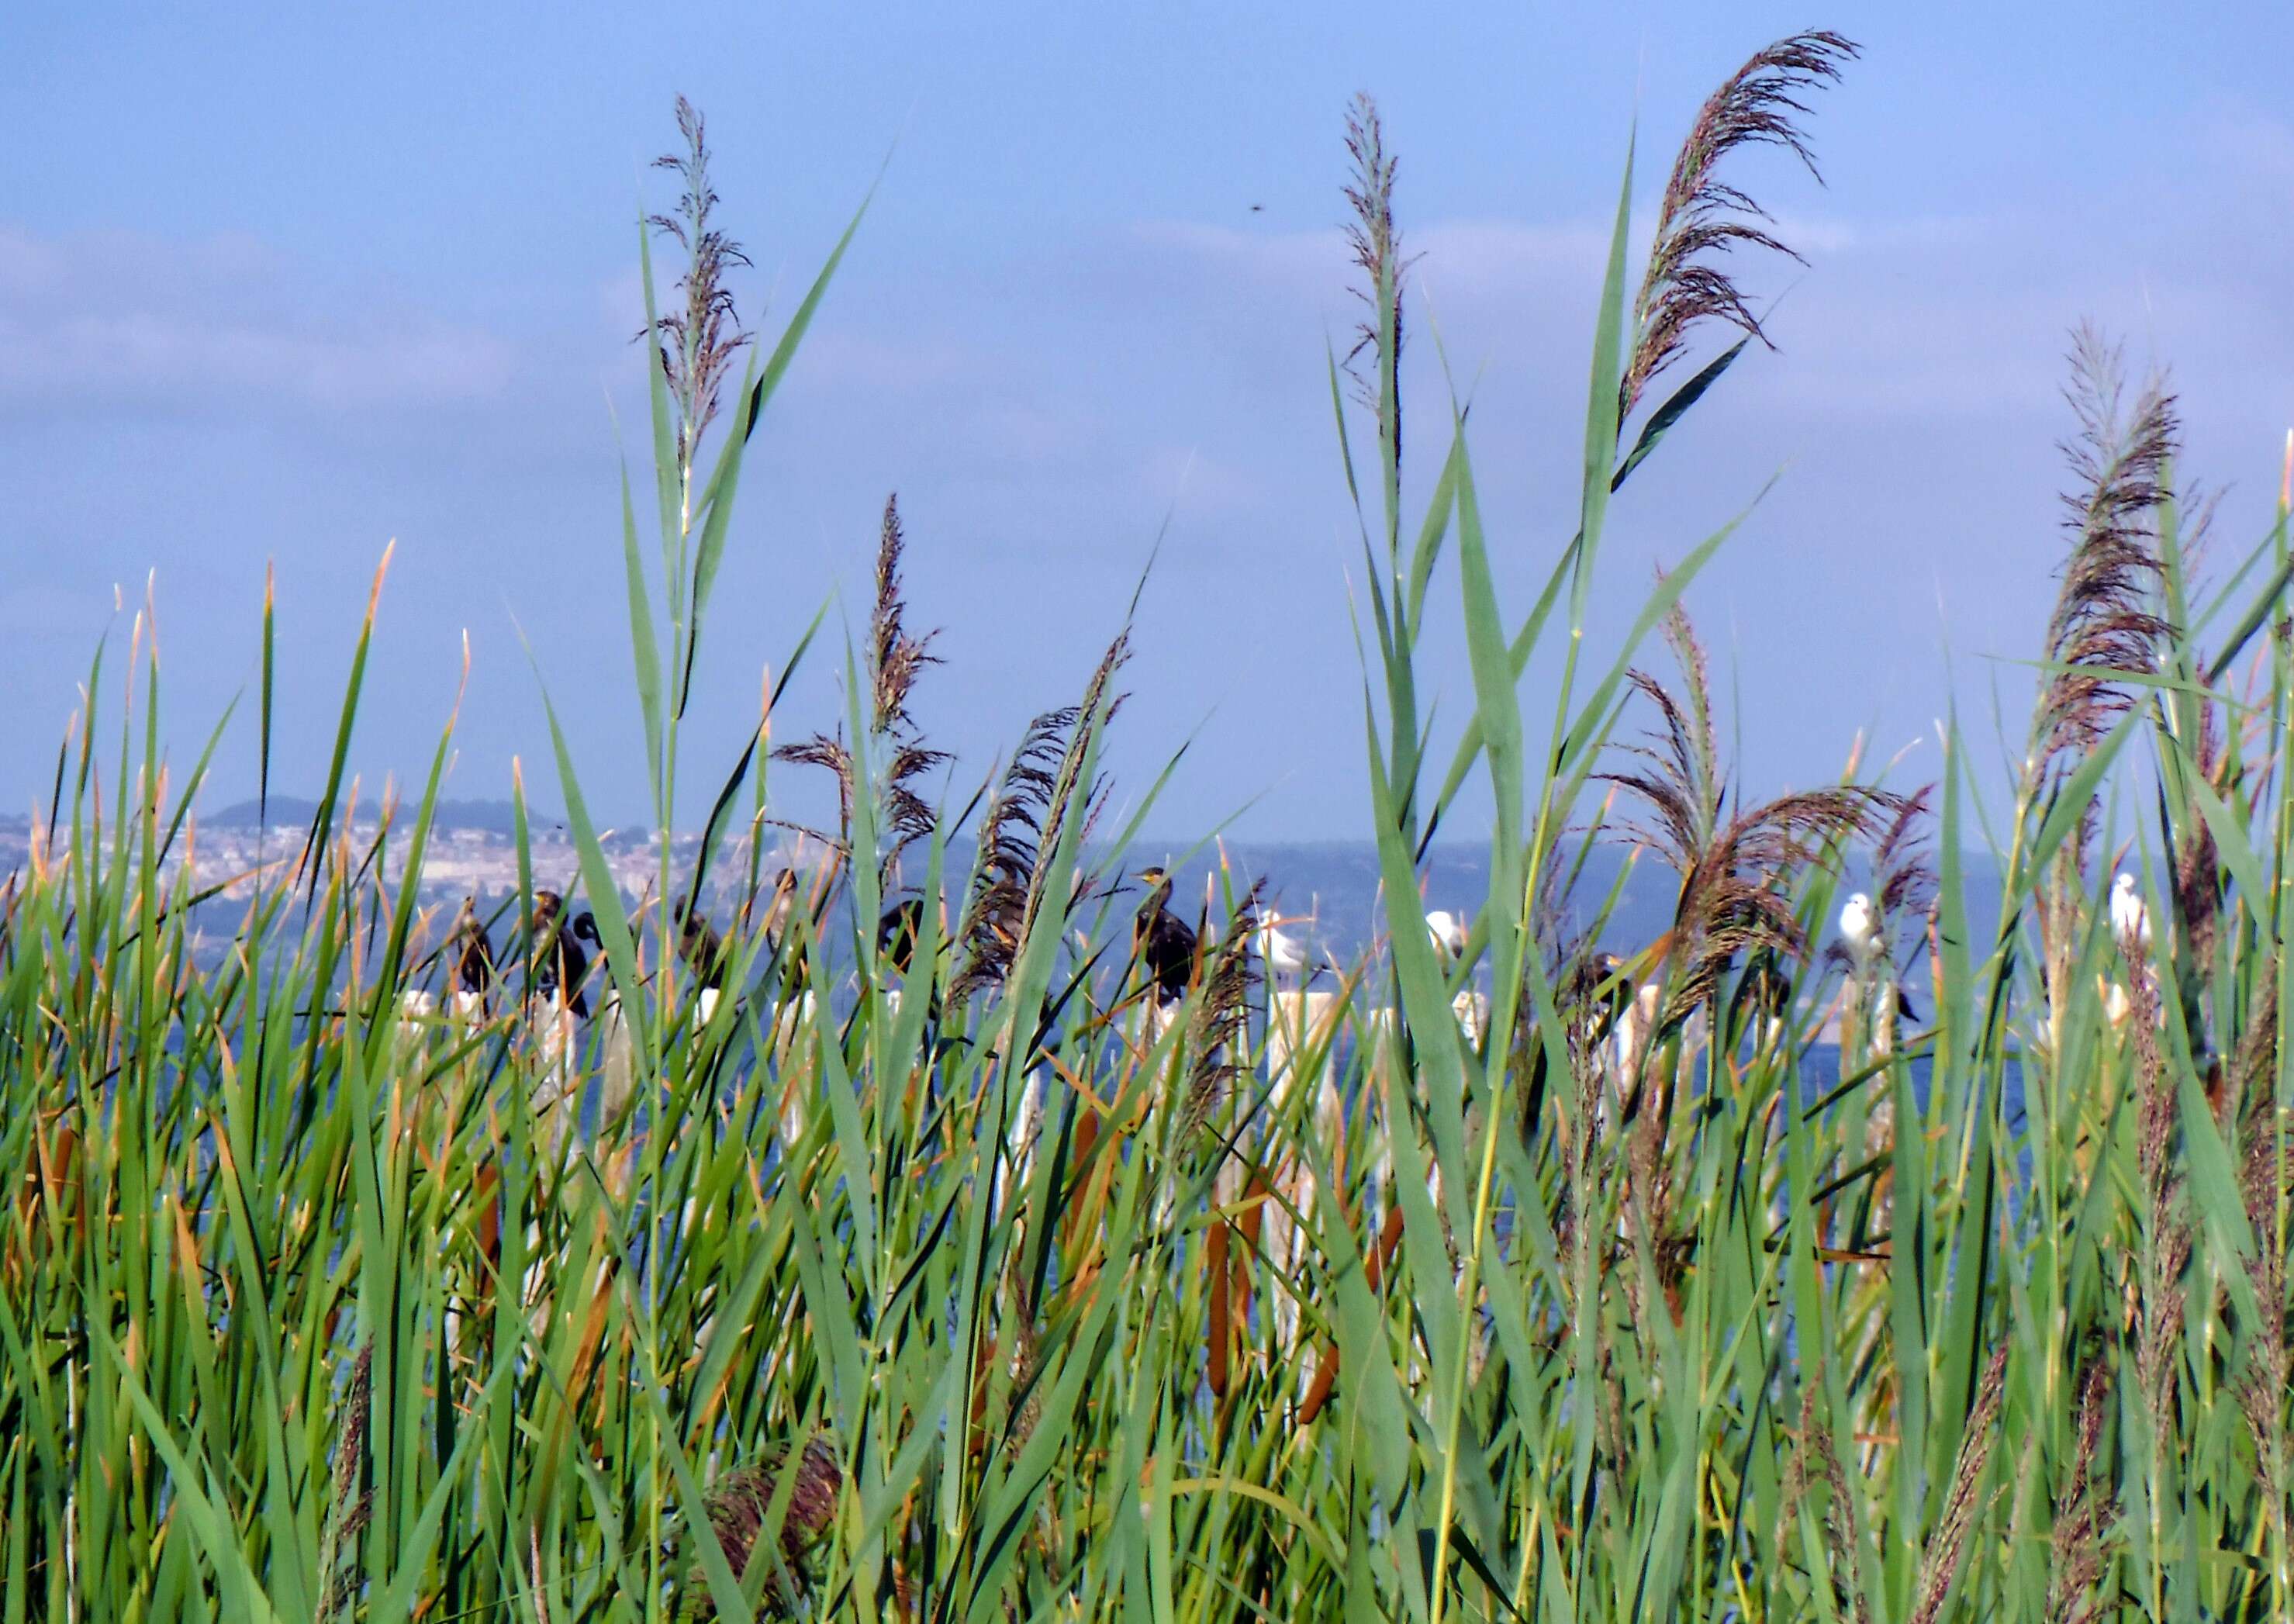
[2264, 1178]
[1028, 1366]
[346, 1510]
[2104, 620]
[1703, 218]
[1692, 739]
[2077, 1548]
[1376, 244]
[895, 658]
[1009, 842]
[829, 751]
[696, 344]
[896, 753]
[1732, 867]
[1903, 868]
[1023, 826]
[1222, 1015]
[2196, 876]
[1940, 1565]
[740, 1505]
[1841, 1537]
[2253, 1066]
[1070, 796]
[2166, 1234]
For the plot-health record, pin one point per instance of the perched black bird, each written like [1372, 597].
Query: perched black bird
[559, 964]
[1161, 941]
[1763, 995]
[1595, 1012]
[795, 966]
[585, 930]
[701, 948]
[898, 932]
[473, 962]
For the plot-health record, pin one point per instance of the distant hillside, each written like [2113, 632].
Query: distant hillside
[287, 811]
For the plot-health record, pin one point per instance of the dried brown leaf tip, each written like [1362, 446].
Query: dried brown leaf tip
[697, 341]
[2105, 620]
[1704, 218]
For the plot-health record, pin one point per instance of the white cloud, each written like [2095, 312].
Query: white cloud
[128, 319]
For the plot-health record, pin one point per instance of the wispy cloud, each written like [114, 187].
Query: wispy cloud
[107, 320]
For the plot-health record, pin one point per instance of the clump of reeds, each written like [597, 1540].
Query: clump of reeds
[300, 1321]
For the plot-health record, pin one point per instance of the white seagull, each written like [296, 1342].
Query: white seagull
[2130, 920]
[1283, 952]
[1448, 931]
[416, 1007]
[1859, 927]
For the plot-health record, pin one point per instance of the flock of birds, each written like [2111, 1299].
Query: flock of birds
[1624, 1017]
[566, 962]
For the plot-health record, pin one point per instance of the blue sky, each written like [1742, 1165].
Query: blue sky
[291, 283]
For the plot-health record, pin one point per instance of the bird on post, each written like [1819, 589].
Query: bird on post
[559, 964]
[1163, 942]
[555, 968]
[703, 949]
[619, 1052]
[1284, 954]
[899, 931]
[1859, 928]
[474, 962]
[1861, 932]
[1450, 936]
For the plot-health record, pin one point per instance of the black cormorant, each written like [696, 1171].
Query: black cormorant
[559, 963]
[1161, 941]
[473, 962]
